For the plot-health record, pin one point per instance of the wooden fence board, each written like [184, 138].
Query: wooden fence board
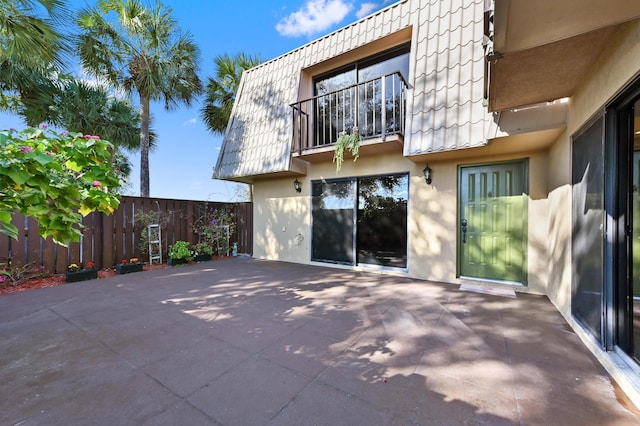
[48, 256]
[107, 239]
[87, 240]
[118, 231]
[107, 242]
[33, 241]
[17, 249]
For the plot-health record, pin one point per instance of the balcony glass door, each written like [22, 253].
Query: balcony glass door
[335, 108]
[367, 94]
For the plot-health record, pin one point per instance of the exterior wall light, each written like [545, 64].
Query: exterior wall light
[427, 174]
[296, 185]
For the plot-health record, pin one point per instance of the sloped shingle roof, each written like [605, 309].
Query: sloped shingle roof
[444, 108]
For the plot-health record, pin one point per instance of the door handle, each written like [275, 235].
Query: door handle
[463, 226]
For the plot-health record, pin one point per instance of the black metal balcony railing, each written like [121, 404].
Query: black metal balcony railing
[375, 107]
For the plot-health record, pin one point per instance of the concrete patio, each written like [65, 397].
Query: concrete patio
[248, 342]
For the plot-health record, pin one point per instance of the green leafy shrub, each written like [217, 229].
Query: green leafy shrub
[55, 179]
[203, 248]
[180, 250]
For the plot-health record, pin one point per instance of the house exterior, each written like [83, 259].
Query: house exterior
[522, 114]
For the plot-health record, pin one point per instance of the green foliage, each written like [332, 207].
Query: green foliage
[15, 275]
[345, 142]
[221, 89]
[30, 35]
[214, 228]
[66, 102]
[55, 179]
[142, 50]
[203, 248]
[180, 250]
[152, 217]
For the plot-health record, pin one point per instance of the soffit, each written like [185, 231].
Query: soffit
[525, 24]
[542, 49]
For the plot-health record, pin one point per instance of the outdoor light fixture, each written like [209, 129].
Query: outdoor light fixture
[427, 174]
[296, 185]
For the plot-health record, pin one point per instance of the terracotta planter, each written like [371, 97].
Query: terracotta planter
[174, 262]
[126, 268]
[82, 275]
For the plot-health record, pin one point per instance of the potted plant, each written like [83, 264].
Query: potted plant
[78, 273]
[345, 142]
[132, 265]
[202, 252]
[179, 253]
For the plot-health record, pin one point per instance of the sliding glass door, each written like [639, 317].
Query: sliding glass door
[361, 220]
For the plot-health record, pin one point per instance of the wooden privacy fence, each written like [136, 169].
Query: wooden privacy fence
[107, 239]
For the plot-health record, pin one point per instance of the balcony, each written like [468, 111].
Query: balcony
[375, 107]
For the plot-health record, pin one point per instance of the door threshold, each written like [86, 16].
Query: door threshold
[511, 285]
[493, 281]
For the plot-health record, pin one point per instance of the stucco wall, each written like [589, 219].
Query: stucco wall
[282, 217]
[617, 66]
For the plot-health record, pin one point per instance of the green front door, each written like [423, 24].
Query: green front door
[492, 221]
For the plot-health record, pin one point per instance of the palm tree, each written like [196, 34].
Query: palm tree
[76, 105]
[89, 109]
[140, 50]
[222, 88]
[30, 44]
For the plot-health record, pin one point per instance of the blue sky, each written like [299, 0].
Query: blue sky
[182, 164]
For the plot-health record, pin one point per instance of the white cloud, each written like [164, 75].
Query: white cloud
[190, 122]
[365, 9]
[314, 17]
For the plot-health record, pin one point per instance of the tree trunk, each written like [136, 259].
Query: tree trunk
[144, 146]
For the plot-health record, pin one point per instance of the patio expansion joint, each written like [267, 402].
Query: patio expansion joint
[317, 378]
[129, 363]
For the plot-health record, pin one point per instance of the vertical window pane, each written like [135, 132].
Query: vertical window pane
[588, 228]
[382, 220]
[333, 205]
[634, 245]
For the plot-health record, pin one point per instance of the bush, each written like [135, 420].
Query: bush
[180, 250]
[203, 248]
[214, 228]
[15, 275]
[55, 179]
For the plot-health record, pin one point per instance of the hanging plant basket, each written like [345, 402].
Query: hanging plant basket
[126, 268]
[346, 142]
[82, 275]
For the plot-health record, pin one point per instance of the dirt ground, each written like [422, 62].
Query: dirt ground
[54, 280]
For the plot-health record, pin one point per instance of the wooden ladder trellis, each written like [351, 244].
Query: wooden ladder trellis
[155, 244]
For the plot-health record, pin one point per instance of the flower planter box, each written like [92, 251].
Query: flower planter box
[174, 262]
[201, 257]
[83, 275]
[126, 268]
